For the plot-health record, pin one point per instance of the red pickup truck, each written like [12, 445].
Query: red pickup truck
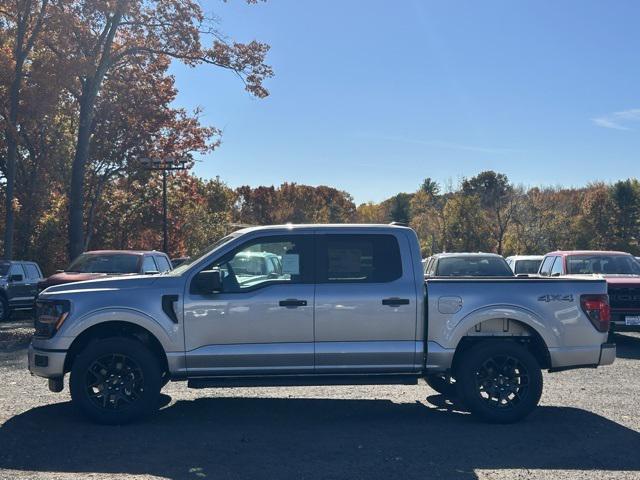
[621, 271]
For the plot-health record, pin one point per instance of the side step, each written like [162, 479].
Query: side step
[301, 380]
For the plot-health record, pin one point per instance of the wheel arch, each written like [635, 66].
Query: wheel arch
[504, 329]
[116, 328]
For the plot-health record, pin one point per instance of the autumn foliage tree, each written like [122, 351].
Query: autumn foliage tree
[100, 38]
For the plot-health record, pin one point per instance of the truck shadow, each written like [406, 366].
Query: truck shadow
[627, 346]
[313, 438]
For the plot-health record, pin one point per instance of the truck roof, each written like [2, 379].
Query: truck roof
[324, 226]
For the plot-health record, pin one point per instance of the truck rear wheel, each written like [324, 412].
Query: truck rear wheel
[115, 381]
[499, 380]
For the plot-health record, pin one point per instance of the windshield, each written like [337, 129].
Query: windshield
[105, 263]
[527, 266]
[604, 264]
[4, 269]
[183, 267]
[473, 267]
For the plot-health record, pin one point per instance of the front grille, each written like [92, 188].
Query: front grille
[624, 297]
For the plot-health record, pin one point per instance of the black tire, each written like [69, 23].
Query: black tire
[442, 383]
[499, 380]
[116, 381]
[5, 314]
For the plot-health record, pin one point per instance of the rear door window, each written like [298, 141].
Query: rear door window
[546, 266]
[358, 258]
[162, 263]
[556, 270]
[32, 271]
[148, 265]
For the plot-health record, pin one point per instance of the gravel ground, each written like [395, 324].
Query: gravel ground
[586, 427]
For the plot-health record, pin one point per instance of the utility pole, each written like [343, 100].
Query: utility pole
[165, 165]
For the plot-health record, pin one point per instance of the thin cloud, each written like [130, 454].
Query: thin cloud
[619, 120]
[451, 145]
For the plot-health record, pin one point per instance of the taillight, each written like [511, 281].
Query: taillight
[596, 307]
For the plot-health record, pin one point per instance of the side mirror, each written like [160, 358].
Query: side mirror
[208, 281]
[15, 278]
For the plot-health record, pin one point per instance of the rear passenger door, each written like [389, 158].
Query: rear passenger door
[365, 314]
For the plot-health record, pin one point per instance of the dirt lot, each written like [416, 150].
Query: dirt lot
[586, 427]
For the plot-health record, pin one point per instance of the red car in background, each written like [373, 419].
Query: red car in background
[621, 270]
[108, 263]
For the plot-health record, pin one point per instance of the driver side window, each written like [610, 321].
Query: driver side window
[265, 261]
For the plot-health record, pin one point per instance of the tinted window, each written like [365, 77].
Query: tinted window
[359, 258]
[32, 271]
[162, 263]
[606, 264]
[4, 268]
[269, 260]
[527, 266]
[105, 263]
[16, 269]
[556, 270]
[546, 266]
[148, 265]
[473, 266]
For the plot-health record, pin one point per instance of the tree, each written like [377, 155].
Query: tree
[498, 199]
[99, 37]
[625, 195]
[24, 20]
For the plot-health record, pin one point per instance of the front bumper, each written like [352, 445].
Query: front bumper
[46, 363]
[607, 354]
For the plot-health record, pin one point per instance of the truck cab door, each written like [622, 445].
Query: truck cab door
[260, 321]
[366, 304]
[18, 289]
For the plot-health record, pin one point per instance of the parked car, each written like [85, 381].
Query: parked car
[621, 271]
[349, 307]
[18, 286]
[106, 263]
[525, 264]
[467, 265]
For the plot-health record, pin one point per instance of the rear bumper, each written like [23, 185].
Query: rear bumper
[46, 363]
[565, 358]
[607, 354]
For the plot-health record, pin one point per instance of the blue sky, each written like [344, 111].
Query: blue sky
[372, 96]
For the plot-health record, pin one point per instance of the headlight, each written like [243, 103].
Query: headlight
[50, 315]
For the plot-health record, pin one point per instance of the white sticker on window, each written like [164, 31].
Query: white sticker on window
[291, 264]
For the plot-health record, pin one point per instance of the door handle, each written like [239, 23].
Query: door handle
[292, 303]
[394, 302]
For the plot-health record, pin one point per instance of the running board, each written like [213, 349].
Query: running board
[301, 381]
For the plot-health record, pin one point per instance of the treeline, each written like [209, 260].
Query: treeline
[488, 213]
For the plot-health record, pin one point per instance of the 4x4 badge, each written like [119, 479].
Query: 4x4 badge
[555, 298]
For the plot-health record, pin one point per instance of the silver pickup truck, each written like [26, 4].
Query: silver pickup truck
[341, 305]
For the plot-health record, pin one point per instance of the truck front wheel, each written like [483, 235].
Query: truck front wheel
[115, 381]
[499, 380]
